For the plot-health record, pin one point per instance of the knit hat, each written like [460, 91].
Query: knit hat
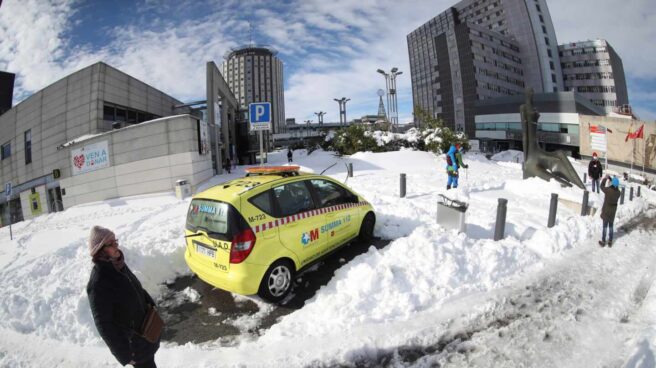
[99, 235]
[615, 182]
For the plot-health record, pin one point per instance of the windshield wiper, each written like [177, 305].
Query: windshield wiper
[209, 233]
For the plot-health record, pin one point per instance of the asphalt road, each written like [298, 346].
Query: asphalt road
[213, 314]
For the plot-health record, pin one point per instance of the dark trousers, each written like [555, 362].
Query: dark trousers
[147, 364]
[595, 183]
[607, 225]
[289, 159]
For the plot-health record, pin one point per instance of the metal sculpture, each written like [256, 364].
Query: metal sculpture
[538, 162]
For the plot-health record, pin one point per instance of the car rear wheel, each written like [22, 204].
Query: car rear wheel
[277, 281]
[367, 228]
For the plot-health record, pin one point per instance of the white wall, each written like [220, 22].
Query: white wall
[144, 158]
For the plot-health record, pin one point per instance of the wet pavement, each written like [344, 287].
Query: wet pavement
[196, 312]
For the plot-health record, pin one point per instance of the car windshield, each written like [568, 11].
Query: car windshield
[210, 216]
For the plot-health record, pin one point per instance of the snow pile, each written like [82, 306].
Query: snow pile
[408, 139]
[509, 156]
[403, 287]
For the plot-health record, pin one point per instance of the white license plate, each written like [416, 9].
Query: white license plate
[205, 250]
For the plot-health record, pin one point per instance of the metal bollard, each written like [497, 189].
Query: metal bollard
[553, 207]
[584, 205]
[500, 227]
[585, 177]
[350, 170]
[631, 194]
[638, 193]
[622, 196]
[402, 186]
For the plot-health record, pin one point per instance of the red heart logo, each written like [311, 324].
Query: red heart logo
[78, 161]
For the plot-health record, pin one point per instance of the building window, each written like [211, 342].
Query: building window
[6, 150]
[549, 52]
[28, 147]
[544, 29]
[108, 113]
[541, 19]
[538, 7]
[546, 40]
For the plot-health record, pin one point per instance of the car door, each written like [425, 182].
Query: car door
[340, 211]
[300, 222]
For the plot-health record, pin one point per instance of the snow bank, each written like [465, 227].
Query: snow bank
[509, 156]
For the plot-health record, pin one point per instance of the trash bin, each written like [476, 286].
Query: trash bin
[182, 189]
[451, 213]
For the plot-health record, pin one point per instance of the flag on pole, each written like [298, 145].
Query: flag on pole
[639, 134]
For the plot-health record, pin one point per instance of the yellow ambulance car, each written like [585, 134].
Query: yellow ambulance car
[252, 235]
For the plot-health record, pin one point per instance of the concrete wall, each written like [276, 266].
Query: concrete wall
[618, 149]
[144, 158]
[68, 109]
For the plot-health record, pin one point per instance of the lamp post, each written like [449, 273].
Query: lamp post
[342, 109]
[320, 115]
[390, 84]
[307, 128]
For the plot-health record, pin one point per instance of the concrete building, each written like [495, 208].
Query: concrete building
[99, 134]
[255, 74]
[593, 69]
[498, 122]
[482, 49]
[620, 151]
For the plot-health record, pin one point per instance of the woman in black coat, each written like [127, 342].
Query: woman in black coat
[118, 302]
[608, 209]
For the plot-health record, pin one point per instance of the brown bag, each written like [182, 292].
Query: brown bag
[152, 325]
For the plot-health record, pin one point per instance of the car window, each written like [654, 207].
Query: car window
[293, 198]
[263, 202]
[329, 193]
[208, 215]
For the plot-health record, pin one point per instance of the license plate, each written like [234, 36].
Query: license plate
[206, 251]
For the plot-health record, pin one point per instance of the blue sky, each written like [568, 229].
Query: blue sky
[331, 49]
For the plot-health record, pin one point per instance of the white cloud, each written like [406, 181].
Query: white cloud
[31, 43]
[330, 49]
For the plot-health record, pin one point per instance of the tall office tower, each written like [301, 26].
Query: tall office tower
[481, 49]
[255, 74]
[593, 69]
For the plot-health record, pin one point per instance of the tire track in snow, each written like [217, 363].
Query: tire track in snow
[573, 313]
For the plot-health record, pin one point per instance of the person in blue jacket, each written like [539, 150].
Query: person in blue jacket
[453, 163]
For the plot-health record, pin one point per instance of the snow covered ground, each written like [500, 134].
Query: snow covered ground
[539, 297]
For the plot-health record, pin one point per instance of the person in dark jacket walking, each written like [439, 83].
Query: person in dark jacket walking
[595, 171]
[228, 164]
[118, 302]
[611, 197]
[289, 155]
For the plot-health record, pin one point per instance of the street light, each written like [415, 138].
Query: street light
[390, 84]
[307, 128]
[342, 109]
[320, 115]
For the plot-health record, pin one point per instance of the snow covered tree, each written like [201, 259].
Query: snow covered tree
[436, 137]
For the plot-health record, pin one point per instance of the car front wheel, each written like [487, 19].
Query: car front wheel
[367, 228]
[277, 281]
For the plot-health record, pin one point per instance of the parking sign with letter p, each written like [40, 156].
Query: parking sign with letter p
[259, 115]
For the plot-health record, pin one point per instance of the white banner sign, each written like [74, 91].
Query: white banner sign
[89, 158]
[598, 142]
[203, 138]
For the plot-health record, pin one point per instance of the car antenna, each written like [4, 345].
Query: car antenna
[328, 168]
